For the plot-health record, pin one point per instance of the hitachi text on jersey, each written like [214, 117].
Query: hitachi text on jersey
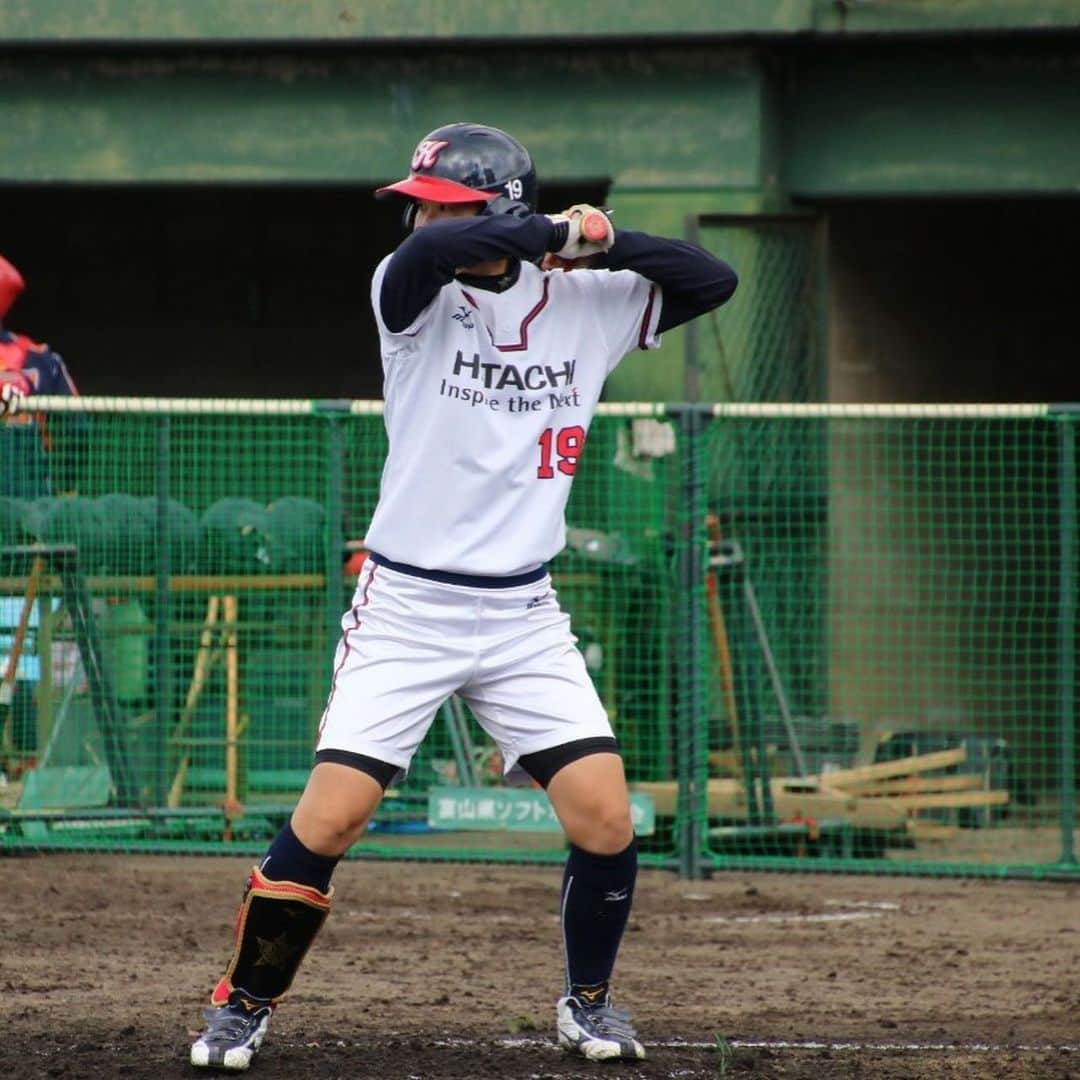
[502, 376]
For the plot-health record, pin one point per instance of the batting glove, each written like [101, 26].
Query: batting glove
[589, 232]
[11, 399]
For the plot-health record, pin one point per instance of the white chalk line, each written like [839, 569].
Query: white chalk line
[778, 917]
[860, 909]
[549, 1048]
[979, 1048]
[875, 905]
[855, 911]
[535, 1042]
[855, 1045]
[792, 917]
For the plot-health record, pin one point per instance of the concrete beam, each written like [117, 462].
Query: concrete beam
[212, 22]
[645, 120]
[931, 120]
[362, 22]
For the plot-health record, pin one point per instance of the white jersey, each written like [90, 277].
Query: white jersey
[488, 401]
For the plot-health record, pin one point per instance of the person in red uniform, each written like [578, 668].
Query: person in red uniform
[38, 457]
[27, 368]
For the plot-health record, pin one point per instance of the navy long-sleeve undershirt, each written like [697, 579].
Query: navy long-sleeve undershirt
[692, 280]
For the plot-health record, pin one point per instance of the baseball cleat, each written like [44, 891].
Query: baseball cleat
[233, 1033]
[597, 1032]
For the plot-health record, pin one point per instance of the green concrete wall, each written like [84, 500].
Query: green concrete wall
[416, 20]
[426, 20]
[647, 121]
[915, 120]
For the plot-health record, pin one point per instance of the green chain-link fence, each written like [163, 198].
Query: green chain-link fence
[828, 637]
[896, 589]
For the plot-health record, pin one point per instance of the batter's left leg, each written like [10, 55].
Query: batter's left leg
[589, 796]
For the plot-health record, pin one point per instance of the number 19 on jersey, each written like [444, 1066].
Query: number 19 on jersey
[564, 446]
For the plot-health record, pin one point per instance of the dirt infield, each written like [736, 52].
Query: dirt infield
[451, 971]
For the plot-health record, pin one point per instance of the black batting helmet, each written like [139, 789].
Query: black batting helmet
[461, 163]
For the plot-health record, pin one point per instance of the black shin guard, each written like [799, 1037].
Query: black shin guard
[277, 922]
[598, 891]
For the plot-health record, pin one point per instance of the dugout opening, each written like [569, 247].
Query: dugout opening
[952, 300]
[240, 290]
[949, 300]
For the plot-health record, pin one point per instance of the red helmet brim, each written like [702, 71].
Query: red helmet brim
[435, 189]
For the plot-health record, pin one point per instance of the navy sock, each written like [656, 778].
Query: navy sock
[288, 860]
[597, 893]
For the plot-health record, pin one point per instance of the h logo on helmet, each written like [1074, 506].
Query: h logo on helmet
[427, 153]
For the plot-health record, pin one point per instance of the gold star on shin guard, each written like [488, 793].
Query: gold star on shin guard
[276, 952]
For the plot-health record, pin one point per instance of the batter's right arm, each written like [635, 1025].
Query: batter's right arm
[693, 280]
[428, 258]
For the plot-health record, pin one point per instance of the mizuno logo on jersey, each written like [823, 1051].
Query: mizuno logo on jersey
[464, 316]
[500, 376]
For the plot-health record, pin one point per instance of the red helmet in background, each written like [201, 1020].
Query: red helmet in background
[11, 284]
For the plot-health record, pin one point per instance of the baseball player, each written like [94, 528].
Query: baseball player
[27, 368]
[493, 368]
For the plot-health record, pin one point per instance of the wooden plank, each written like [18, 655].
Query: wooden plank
[178, 583]
[931, 830]
[224, 583]
[204, 660]
[917, 785]
[664, 794]
[718, 629]
[834, 806]
[729, 791]
[949, 800]
[728, 763]
[793, 800]
[882, 770]
[232, 707]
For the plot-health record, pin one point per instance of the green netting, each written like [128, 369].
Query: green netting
[767, 344]
[208, 551]
[787, 615]
[897, 597]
